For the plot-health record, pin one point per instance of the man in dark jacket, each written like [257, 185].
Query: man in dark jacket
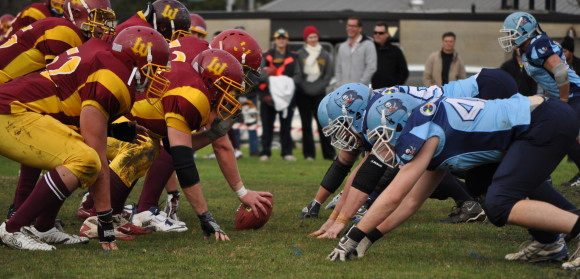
[391, 63]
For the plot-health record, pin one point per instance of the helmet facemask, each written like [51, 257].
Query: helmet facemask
[228, 105]
[382, 136]
[57, 7]
[342, 132]
[149, 79]
[251, 79]
[100, 23]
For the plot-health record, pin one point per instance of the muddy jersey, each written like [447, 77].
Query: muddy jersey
[29, 15]
[36, 45]
[185, 49]
[471, 131]
[185, 106]
[89, 75]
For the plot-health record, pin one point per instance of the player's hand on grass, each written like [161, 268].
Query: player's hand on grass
[257, 201]
[343, 250]
[362, 247]
[333, 231]
[106, 231]
[210, 226]
[323, 228]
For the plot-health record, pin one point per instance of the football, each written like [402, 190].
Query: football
[246, 220]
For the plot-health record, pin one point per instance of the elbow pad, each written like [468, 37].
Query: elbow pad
[184, 165]
[560, 73]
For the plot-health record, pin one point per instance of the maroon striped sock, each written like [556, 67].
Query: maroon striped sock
[44, 202]
[26, 182]
[155, 181]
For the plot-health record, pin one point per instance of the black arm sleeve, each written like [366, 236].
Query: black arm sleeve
[184, 166]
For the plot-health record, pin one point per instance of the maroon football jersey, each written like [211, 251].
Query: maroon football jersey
[30, 14]
[85, 75]
[184, 106]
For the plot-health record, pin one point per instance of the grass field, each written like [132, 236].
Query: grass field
[421, 248]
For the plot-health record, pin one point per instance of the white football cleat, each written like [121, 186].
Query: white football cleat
[23, 240]
[55, 236]
[158, 219]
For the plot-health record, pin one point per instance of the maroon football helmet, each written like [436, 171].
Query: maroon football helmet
[186, 48]
[94, 18]
[198, 25]
[244, 48]
[171, 19]
[223, 76]
[5, 22]
[149, 52]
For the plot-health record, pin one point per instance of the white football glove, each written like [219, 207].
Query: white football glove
[362, 247]
[344, 250]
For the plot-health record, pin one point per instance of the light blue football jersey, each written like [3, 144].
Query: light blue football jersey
[471, 131]
[540, 48]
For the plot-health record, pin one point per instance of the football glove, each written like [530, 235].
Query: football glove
[124, 131]
[220, 128]
[344, 250]
[362, 247]
[105, 229]
[209, 225]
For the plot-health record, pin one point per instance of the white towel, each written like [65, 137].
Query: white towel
[282, 91]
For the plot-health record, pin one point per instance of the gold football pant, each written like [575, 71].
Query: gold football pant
[40, 141]
[130, 161]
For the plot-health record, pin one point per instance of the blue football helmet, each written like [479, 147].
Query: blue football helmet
[345, 109]
[322, 114]
[385, 120]
[519, 27]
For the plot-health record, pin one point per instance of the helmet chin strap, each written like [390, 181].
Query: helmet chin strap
[71, 18]
[154, 20]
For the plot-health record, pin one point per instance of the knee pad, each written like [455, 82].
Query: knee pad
[497, 213]
[335, 175]
[86, 166]
[369, 174]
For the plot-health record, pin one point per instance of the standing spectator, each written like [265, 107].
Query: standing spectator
[276, 95]
[356, 60]
[391, 64]
[445, 65]
[568, 47]
[526, 85]
[312, 75]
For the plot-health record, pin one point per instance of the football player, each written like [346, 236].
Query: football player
[198, 88]
[545, 62]
[247, 51]
[169, 17]
[198, 27]
[36, 45]
[71, 102]
[5, 23]
[488, 84]
[524, 138]
[33, 13]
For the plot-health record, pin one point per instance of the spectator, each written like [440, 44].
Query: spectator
[277, 95]
[526, 85]
[445, 65]
[568, 47]
[391, 63]
[356, 60]
[312, 75]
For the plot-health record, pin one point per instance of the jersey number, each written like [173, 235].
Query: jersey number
[466, 108]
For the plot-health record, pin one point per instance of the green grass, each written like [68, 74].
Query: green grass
[422, 247]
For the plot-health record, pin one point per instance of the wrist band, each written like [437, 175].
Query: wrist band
[342, 219]
[241, 192]
[333, 215]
